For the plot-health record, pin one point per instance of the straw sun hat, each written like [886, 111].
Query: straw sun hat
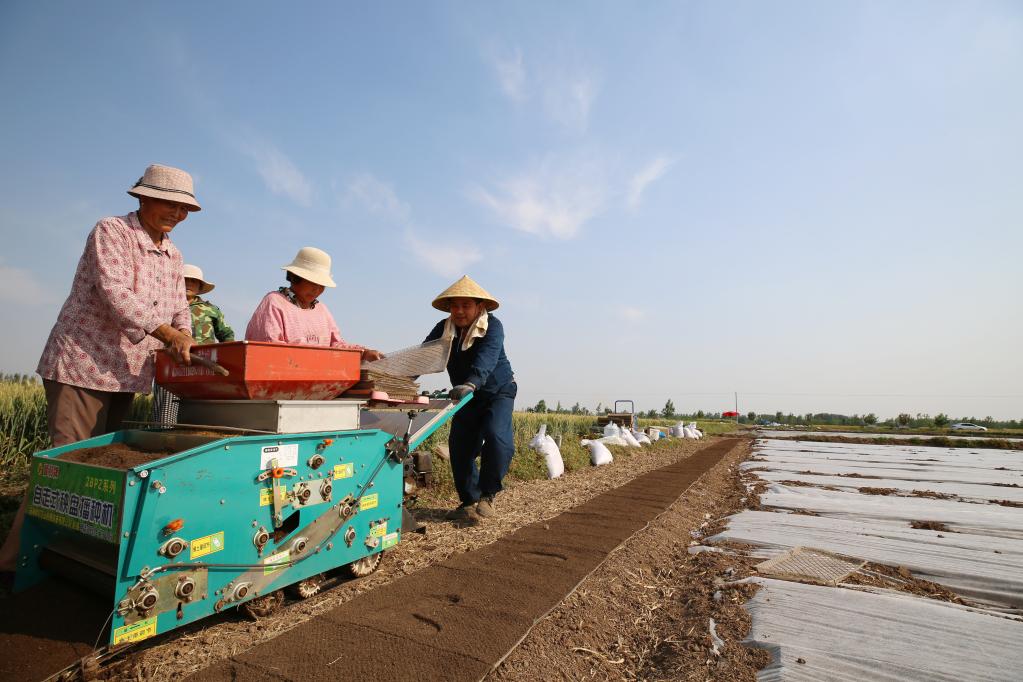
[311, 264]
[169, 184]
[193, 272]
[464, 288]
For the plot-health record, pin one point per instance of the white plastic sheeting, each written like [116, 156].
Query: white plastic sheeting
[983, 568]
[846, 635]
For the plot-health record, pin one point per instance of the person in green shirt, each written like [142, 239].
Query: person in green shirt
[208, 325]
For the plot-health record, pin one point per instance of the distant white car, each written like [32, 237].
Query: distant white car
[967, 426]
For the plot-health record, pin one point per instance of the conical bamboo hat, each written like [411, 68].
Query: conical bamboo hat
[464, 288]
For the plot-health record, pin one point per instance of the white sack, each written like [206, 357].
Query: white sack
[547, 447]
[611, 429]
[688, 432]
[642, 438]
[599, 454]
[613, 440]
[630, 440]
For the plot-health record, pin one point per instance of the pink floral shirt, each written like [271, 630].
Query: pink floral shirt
[278, 319]
[125, 287]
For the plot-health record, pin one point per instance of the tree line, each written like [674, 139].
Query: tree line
[905, 419]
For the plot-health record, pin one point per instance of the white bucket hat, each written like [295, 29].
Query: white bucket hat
[312, 264]
[193, 272]
[169, 184]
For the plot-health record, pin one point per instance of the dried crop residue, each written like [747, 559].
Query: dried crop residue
[798, 484]
[1007, 503]
[202, 644]
[645, 614]
[933, 495]
[856, 475]
[115, 456]
[931, 525]
[902, 579]
[878, 491]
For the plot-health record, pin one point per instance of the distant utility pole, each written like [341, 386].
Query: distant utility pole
[736, 407]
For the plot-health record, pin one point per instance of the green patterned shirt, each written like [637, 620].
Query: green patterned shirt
[208, 324]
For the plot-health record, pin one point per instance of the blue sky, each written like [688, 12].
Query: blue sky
[817, 205]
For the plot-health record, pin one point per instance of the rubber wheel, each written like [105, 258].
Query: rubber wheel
[261, 607]
[309, 587]
[364, 566]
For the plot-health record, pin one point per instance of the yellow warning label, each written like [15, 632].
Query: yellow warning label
[272, 562]
[136, 632]
[266, 496]
[344, 470]
[207, 545]
[368, 502]
[379, 530]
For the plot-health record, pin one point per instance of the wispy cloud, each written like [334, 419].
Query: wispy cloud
[650, 173]
[426, 247]
[563, 92]
[20, 286]
[554, 200]
[376, 196]
[447, 260]
[511, 75]
[278, 172]
[568, 98]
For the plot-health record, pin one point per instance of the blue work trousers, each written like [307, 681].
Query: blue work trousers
[482, 428]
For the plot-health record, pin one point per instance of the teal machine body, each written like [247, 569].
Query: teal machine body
[216, 520]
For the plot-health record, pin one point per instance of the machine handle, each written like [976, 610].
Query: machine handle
[209, 364]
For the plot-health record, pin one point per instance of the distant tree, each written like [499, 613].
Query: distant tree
[752, 416]
[903, 419]
[669, 410]
[540, 407]
[941, 419]
[558, 409]
[870, 419]
[599, 408]
[577, 409]
[700, 414]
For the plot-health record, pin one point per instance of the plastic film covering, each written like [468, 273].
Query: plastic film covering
[824, 633]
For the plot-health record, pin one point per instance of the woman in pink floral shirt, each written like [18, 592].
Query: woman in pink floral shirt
[127, 299]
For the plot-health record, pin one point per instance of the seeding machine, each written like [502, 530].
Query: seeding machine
[267, 482]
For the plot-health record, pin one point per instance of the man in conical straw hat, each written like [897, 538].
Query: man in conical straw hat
[478, 365]
[127, 299]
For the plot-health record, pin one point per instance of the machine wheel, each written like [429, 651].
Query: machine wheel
[364, 566]
[309, 587]
[261, 607]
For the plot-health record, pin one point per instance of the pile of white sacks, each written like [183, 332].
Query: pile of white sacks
[613, 435]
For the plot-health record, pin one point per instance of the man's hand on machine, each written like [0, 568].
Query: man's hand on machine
[177, 342]
[460, 391]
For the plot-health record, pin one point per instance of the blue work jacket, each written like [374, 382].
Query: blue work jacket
[484, 365]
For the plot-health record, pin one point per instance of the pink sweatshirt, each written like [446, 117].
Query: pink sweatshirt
[279, 320]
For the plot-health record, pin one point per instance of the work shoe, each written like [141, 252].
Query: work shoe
[485, 507]
[460, 513]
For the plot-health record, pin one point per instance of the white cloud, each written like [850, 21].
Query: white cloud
[20, 286]
[650, 173]
[279, 173]
[562, 92]
[377, 197]
[511, 75]
[447, 260]
[552, 201]
[630, 314]
[568, 98]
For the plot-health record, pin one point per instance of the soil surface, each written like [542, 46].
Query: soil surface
[115, 456]
[460, 618]
[198, 646]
